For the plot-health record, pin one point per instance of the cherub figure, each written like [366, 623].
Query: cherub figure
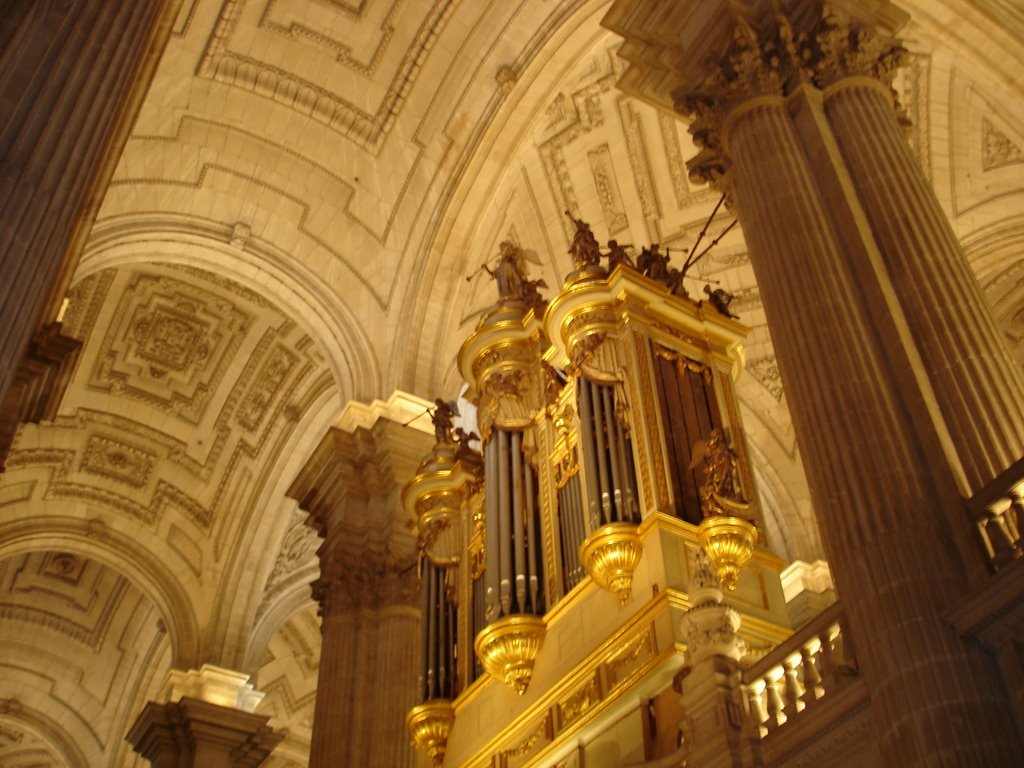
[617, 255]
[653, 263]
[443, 417]
[720, 299]
[584, 248]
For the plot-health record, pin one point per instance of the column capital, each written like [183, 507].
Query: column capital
[351, 581]
[705, 63]
[191, 732]
[350, 487]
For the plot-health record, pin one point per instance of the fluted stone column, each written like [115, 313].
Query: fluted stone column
[899, 405]
[72, 76]
[977, 386]
[368, 594]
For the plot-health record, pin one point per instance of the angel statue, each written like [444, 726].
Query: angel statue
[443, 416]
[720, 468]
[584, 248]
[510, 271]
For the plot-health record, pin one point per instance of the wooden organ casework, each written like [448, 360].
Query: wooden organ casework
[556, 556]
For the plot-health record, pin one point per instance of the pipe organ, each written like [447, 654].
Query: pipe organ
[600, 413]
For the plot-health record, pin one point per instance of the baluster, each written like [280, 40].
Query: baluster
[1000, 540]
[1015, 514]
[826, 657]
[791, 686]
[845, 658]
[809, 678]
[756, 712]
[775, 706]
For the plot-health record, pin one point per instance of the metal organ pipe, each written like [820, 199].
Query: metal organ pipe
[587, 441]
[432, 618]
[518, 510]
[425, 629]
[602, 456]
[614, 455]
[492, 608]
[628, 478]
[504, 524]
[533, 559]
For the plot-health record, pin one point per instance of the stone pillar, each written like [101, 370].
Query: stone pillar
[206, 721]
[72, 77]
[851, 261]
[714, 735]
[368, 593]
[976, 384]
[191, 733]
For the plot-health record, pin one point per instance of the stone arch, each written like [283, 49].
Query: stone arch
[255, 264]
[40, 722]
[293, 598]
[121, 553]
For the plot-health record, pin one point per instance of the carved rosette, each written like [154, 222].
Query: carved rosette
[429, 724]
[508, 647]
[501, 363]
[610, 555]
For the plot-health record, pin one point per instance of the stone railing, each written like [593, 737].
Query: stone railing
[815, 662]
[997, 511]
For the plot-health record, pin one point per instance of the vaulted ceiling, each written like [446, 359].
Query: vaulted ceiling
[297, 221]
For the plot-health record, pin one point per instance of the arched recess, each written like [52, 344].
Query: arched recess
[252, 554]
[996, 253]
[87, 536]
[247, 535]
[44, 726]
[290, 598]
[132, 239]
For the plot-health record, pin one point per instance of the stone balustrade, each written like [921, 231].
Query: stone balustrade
[997, 511]
[813, 663]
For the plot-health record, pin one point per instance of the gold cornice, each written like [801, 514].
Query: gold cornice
[633, 300]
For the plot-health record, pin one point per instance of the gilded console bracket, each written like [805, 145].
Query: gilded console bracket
[429, 724]
[508, 647]
[610, 554]
[729, 543]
